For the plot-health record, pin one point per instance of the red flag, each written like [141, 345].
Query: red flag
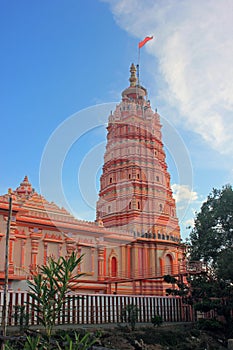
[143, 42]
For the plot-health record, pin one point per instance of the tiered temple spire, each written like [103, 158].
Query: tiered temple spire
[135, 191]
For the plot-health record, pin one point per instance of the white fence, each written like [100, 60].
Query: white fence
[100, 308]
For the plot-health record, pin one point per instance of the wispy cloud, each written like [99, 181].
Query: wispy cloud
[182, 193]
[194, 48]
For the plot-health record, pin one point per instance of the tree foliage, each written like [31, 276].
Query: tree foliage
[211, 241]
[213, 231]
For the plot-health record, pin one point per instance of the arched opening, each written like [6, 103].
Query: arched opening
[114, 267]
[129, 205]
[168, 265]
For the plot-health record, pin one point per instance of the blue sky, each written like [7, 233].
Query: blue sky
[59, 58]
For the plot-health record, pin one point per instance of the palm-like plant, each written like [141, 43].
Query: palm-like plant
[49, 288]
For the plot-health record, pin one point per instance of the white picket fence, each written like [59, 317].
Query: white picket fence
[100, 308]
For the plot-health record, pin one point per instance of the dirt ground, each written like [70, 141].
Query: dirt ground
[166, 337]
[147, 337]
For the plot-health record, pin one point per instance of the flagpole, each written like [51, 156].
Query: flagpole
[138, 65]
[141, 44]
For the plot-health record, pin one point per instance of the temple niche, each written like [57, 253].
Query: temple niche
[135, 239]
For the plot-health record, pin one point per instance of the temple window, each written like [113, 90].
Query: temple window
[130, 205]
[138, 205]
[157, 178]
[110, 180]
[114, 266]
[160, 207]
[109, 208]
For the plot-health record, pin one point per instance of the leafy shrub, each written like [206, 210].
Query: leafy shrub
[80, 342]
[209, 324]
[157, 320]
[130, 314]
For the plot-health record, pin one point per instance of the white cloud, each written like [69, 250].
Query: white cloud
[194, 48]
[182, 193]
[189, 223]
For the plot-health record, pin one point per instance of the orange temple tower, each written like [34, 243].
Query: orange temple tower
[135, 192]
[135, 240]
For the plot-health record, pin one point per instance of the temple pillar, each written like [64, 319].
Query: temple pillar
[12, 239]
[100, 263]
[162, 267]
[128, 261]
[79, 254]
[22, 259]
[11, 252]
[152, 259]
[122, 269]
[35, 238]
[45, 252]
[135, 261]
[92, 261]
[146, 260]
[21, 237]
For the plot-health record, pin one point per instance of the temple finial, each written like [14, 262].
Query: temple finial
[133, 77]
[25, 188]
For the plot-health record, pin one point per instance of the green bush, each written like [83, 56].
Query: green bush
[129, 314]
[157, 320]
[71, 341]
[211, 324]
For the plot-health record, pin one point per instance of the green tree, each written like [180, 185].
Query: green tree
[210, 254]
[211, 242]
[213, 229]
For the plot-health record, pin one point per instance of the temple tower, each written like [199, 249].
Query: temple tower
[135, 192]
